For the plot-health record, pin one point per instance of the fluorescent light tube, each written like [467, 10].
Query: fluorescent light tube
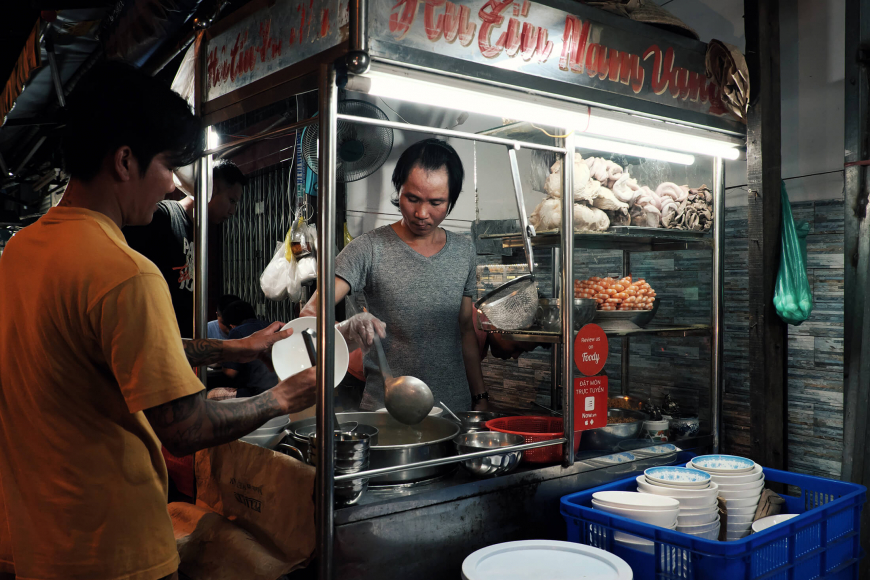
[585, 123]
[584, 142]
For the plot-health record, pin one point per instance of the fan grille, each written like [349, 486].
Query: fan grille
[362, 149]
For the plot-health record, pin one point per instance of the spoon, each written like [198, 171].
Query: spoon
[407, 399]
[452, 414]
[308, 337]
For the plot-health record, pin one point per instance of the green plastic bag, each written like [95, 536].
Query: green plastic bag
[793, 297]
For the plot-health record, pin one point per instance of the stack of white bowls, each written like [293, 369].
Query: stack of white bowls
[650, 509]
[270, 433]
[696, 493]
[741, 483]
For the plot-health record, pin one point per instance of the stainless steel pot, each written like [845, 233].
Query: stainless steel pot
[607, 438]
[398, 444]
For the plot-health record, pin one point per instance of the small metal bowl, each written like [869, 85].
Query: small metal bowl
[474, 420]
[491, 465]
[608, 438]
[584, 311]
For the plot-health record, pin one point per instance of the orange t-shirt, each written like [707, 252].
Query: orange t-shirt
[88, 339]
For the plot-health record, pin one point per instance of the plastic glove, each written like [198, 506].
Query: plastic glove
[360, 330]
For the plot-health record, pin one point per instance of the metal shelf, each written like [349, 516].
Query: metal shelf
[621, 238]
[541, 336]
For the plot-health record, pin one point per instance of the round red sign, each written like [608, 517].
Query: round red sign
[590, 350]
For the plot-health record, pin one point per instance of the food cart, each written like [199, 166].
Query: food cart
[570, 78]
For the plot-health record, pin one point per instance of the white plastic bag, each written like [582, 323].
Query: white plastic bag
[277, 275]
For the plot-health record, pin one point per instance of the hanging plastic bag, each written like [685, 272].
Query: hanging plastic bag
[793, 297]
[277, 275]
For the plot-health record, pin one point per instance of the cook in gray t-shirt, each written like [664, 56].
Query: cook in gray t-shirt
[418, 298]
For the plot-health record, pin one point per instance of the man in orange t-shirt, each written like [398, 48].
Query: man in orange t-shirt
[93, 374]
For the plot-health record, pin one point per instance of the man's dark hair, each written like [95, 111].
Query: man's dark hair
[431, 155]
[228, 172]
[238, 312]
[225, 301]
[116, 104]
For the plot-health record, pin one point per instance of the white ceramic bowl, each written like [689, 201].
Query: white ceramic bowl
[678, 492]
[273, 425]
[771, 521]
[732, 478]
[728, 464]
[700, 527]
[740, 486]
[732, 519]
[663, 519]
[691, 511]
[697, 519]
[634, 500]
[267, 440]
[742, 494]
[729, 537]
[741, 511]
[709, 535]
[702, 485]
[290, 357]
[742, 503]
[680, 476]
[695, 502]
[738, 528]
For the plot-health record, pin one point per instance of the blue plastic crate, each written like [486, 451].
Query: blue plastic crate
[823, 542]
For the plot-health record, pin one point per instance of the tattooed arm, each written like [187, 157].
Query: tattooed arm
[191, 423]
[207, 351]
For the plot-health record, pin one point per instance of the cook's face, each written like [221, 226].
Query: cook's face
[224, 201]
[507, 349]
[149, 188]
[423, 199]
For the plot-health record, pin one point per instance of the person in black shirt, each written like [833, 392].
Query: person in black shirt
[168, 239]
[251, 378]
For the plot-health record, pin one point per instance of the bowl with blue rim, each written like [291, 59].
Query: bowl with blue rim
[676, 476]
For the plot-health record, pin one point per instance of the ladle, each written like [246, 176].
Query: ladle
[308, 337]
[408, 399]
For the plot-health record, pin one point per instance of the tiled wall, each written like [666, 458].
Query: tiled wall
[815, 348]
[681, 366]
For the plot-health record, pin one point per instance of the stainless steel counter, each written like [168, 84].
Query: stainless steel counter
[426, 531]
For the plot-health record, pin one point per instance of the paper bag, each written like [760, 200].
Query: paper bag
[213, 548]
[269, 494]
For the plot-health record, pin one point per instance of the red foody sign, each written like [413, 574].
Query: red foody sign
[590, 392]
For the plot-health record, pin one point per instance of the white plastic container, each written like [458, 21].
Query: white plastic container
[539, 559]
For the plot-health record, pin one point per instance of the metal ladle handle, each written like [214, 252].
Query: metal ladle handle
[308, 336]
[527, 229]
[382, 360]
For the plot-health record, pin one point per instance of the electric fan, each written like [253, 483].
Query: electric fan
[362, 149]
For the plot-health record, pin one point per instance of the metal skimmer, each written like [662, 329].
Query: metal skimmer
[512, 305]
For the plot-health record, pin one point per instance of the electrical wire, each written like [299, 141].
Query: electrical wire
[392, 109]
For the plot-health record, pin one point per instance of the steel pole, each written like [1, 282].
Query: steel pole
[567, 293]
[200, 219]
[718, 299]
[326, 319]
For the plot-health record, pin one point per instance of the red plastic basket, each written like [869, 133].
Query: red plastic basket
[535, 429]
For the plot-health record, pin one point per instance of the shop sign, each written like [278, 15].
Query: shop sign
[590, 350]
[280, 35]
[590, 403]
[534, 39]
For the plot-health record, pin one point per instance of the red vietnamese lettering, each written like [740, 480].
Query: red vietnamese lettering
[592, 59]
[529, 41]
[324, 23]
[491, 16]
[400, 24]
[545, 47]
[603, 64]
[434, 25]
[613, 66]
[681, 84]
[466, 29]
[662, 68]
[510, 39]
[695, 82]
[526, 6]
[574, 44]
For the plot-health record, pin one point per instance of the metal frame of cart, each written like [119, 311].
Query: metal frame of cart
[553, 56]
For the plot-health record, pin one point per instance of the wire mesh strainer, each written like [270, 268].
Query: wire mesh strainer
[512, 305]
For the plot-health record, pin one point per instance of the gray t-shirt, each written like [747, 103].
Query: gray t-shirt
[419, 300]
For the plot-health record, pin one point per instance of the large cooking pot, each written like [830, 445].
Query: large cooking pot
[607, 438]
[398, 444]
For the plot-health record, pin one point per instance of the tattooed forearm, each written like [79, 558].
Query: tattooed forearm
[204, 351]
[191, 423]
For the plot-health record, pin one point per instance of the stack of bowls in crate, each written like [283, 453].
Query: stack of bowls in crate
[696, 493]
[741, 483]
[649, 509]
